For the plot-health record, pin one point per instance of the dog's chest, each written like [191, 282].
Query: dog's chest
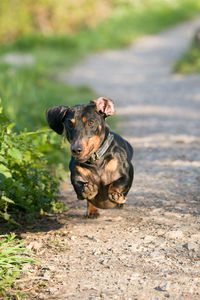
[101, 175]
[107, 173]
[110, 171]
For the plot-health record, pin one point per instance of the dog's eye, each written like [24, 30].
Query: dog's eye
[90, 123]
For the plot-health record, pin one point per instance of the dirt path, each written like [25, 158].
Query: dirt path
[150, 249]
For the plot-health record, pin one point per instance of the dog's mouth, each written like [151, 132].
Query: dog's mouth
[86, 157]
[82, 159]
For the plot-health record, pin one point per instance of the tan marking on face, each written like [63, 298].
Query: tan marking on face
[112, 165]
[83, 171]
[72, 120]
[84, 119]
[99, 127]
[94, 142]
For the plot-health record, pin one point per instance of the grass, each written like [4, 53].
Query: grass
[189, 62]
[12, 258]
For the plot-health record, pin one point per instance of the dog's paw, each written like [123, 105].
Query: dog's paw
[117, 198]
[90, 190]
[93, 214]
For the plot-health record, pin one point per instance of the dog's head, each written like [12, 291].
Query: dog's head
[84, 125]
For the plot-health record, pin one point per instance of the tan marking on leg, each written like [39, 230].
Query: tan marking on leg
[113, 189]
[92, 211]
[115, 195]
[83, 171]
[72, 120]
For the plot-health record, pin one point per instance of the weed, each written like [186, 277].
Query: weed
[13, 255]
[189, 62]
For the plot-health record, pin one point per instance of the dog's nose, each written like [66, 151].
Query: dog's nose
[76, 149]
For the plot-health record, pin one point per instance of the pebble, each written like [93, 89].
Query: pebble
[167, 295]
[115, 219]
[91, 237]
[27, 267]
[149, 238]
[101, 261]
[157, 255]
[35, 246]
[161, 288]
[46, 275]
[96, 252]
[176, 234]
[52, 290]
[191, 246]
[179, 248]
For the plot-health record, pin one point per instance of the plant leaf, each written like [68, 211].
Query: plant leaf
[6, 199]
[5, 171]
[15, 153]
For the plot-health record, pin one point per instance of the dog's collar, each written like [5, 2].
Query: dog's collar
[102, 150]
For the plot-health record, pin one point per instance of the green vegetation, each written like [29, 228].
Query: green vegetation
[27, 16]
[122, 17]
[12, 258]
[26, 186]
[131, 21]
[190, 61]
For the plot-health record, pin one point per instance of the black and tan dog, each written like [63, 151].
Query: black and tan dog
[101, 169]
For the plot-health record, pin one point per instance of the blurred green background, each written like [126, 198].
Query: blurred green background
[56, 34]
[47, 17]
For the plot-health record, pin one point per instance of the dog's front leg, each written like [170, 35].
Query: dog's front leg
[88, 191]
[85, 190]
[118, 189]
[82, 180]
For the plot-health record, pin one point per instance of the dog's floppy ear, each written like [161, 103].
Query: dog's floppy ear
[105, 106]
[55, 117]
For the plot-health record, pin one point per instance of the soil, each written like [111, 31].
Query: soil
[150, 249]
